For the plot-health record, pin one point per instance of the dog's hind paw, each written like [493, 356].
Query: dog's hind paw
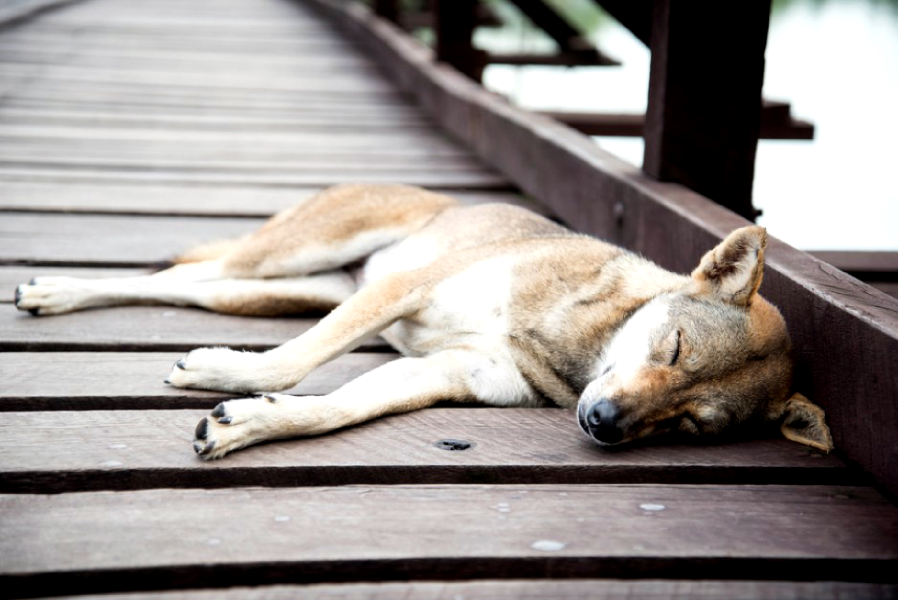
[235, 424]
[52, 296]
[221, 369]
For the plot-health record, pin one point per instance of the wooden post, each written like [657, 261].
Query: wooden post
[455, 36]
[704, 104]
[388, 9]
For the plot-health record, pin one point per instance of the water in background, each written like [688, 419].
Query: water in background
[835, 61]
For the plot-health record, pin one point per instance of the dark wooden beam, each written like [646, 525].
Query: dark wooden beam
[454, 28]
[635, 15]
[387, 9]
[547, 18]
[776, 123]
[704, 107]
[484, 16]
[595, 59]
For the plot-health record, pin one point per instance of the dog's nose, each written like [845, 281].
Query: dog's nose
[601, 418]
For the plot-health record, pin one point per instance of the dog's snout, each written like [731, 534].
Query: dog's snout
[602, 420]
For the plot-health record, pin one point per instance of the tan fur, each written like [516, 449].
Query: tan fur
[489, 303]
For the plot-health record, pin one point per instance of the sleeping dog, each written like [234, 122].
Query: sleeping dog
[490, 304]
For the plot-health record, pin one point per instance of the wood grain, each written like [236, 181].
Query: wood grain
[68, 451]
[36, 381]
[186, 200]
[530, 589]
[231, 537]
[141, 329]
[82, 240]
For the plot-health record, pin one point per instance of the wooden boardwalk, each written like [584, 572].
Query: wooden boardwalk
[132, 129]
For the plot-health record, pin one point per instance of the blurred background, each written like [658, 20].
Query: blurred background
[835, 61]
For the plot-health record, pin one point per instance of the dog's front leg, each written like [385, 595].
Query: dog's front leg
[403, 385]
[362, 316]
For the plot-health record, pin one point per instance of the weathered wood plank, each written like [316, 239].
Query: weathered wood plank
[109, 240]
[333, 82]
[68, 451]
[123, 380]
[882, 265]
[147, 173]
[298, 140]
[189, 538]
[530, 589]
[16, 12]
[845, 333]
[334, 120]
[192, 200]
[141, 328]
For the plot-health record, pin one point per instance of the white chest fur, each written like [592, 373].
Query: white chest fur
[469, 308]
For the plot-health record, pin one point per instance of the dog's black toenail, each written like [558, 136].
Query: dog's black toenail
[198, 447]
[34, 311]
[202, 428]
[181, 365]
[18, 295]
[33, 281]
[271, 399]
[166, 382]
[225, 420]
[219, 411]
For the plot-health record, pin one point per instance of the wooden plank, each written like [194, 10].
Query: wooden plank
[704, 107]
[69, 451]
[428, 141]
[184, 200]
[334, 121]
[867, 266]
[244, 100]
[280, 165]
[189, 538]
[531, 589]
[126, 381]
[16, 12]
[368, 83]
[172, 174]
[142, 329]
[114, 240]
[203, 107]
[845, 333]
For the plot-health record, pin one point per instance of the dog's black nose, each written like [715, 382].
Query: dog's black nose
[601, 418]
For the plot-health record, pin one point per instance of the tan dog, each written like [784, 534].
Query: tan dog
[489, 304]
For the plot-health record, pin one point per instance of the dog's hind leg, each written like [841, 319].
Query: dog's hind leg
[403, 385]
[336, 227]
[248, 297]
[329, 231]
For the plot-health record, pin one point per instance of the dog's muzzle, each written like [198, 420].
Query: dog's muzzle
[600, 422]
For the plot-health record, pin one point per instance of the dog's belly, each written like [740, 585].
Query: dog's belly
[469, 308]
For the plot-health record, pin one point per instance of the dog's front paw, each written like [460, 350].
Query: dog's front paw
[220, 369]
[236, 424]
[51, 296]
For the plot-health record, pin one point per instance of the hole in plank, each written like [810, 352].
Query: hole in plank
[453, 445]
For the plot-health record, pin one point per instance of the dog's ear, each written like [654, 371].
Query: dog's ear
[732, 271]
[804, 422]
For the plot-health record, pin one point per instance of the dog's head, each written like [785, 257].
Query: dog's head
[700, 360]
